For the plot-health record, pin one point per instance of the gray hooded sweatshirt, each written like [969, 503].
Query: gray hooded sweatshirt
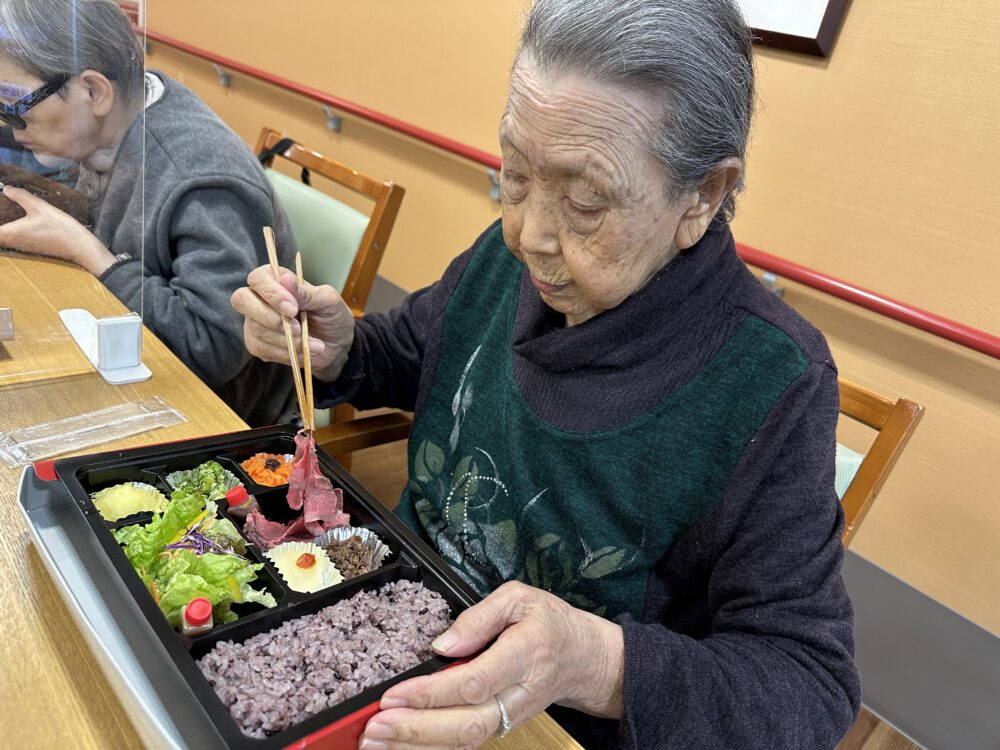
[191, 220]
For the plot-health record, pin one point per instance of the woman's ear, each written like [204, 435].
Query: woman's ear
[98, 92]
[709, 195]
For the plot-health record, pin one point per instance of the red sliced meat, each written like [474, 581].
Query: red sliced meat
[308, 488]
[266, 534]
[322, 505]
[304, 466]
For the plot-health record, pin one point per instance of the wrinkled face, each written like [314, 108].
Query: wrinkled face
[585, 203]
[60, 128]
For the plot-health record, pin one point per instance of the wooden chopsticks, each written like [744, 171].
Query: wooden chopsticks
[310, 417]
[303, 393]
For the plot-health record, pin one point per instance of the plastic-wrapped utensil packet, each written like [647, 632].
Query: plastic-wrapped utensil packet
[26, 445]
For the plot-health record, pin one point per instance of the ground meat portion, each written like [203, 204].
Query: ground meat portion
[351, 556]
[279, 678]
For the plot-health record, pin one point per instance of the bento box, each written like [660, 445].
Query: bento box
[169, 681]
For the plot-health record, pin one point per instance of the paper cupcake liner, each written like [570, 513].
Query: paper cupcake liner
[137, 485]
[287, 456]
[368, 537]
[283, 558]
[229, 480]
[140, 485]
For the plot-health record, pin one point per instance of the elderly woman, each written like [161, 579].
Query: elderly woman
[177, 199]
[620, 438]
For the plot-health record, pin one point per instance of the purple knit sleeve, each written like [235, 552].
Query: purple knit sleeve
[774, 670]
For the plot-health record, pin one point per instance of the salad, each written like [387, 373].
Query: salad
[209, 479]
[189, 551]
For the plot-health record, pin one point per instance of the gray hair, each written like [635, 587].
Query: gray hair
[49, 38]
[695, 55]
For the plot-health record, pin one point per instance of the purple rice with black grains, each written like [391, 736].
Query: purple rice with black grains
[276, 679]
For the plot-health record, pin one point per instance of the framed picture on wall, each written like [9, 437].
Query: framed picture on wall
[808, 26]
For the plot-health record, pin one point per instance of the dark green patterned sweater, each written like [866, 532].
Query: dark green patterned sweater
[668, 464]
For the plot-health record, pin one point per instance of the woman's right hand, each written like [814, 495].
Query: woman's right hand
[263, 303]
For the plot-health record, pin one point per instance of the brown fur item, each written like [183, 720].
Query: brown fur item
[73, 202]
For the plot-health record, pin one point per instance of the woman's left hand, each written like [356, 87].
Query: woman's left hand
[45, 230]
[545, 652]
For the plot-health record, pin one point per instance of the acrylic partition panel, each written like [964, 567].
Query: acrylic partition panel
[72, 97]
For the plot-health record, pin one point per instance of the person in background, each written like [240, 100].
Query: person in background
[178, 200]
[621, 439]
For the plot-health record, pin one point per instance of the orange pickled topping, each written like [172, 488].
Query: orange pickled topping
[256, 466]
[306, 560]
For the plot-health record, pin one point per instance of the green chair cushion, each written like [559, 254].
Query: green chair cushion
[327, 232]
[847, 464]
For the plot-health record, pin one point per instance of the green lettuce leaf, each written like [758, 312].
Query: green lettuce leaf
[143, 543]
[222, 579]
[258, 596]
[176, 576]
[223, 532]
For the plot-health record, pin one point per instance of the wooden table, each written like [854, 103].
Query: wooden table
[52, 692]
[39, 350]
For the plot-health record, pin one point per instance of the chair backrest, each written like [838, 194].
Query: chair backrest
[863, 476]
[340, 246]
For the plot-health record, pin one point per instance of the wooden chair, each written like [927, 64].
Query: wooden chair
[340, 246]
[334, 216]
[895, 422]
[364, 432]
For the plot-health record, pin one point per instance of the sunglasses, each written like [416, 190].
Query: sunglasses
[11, 113]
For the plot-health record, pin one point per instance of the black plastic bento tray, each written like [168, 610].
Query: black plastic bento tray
[167, 657]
